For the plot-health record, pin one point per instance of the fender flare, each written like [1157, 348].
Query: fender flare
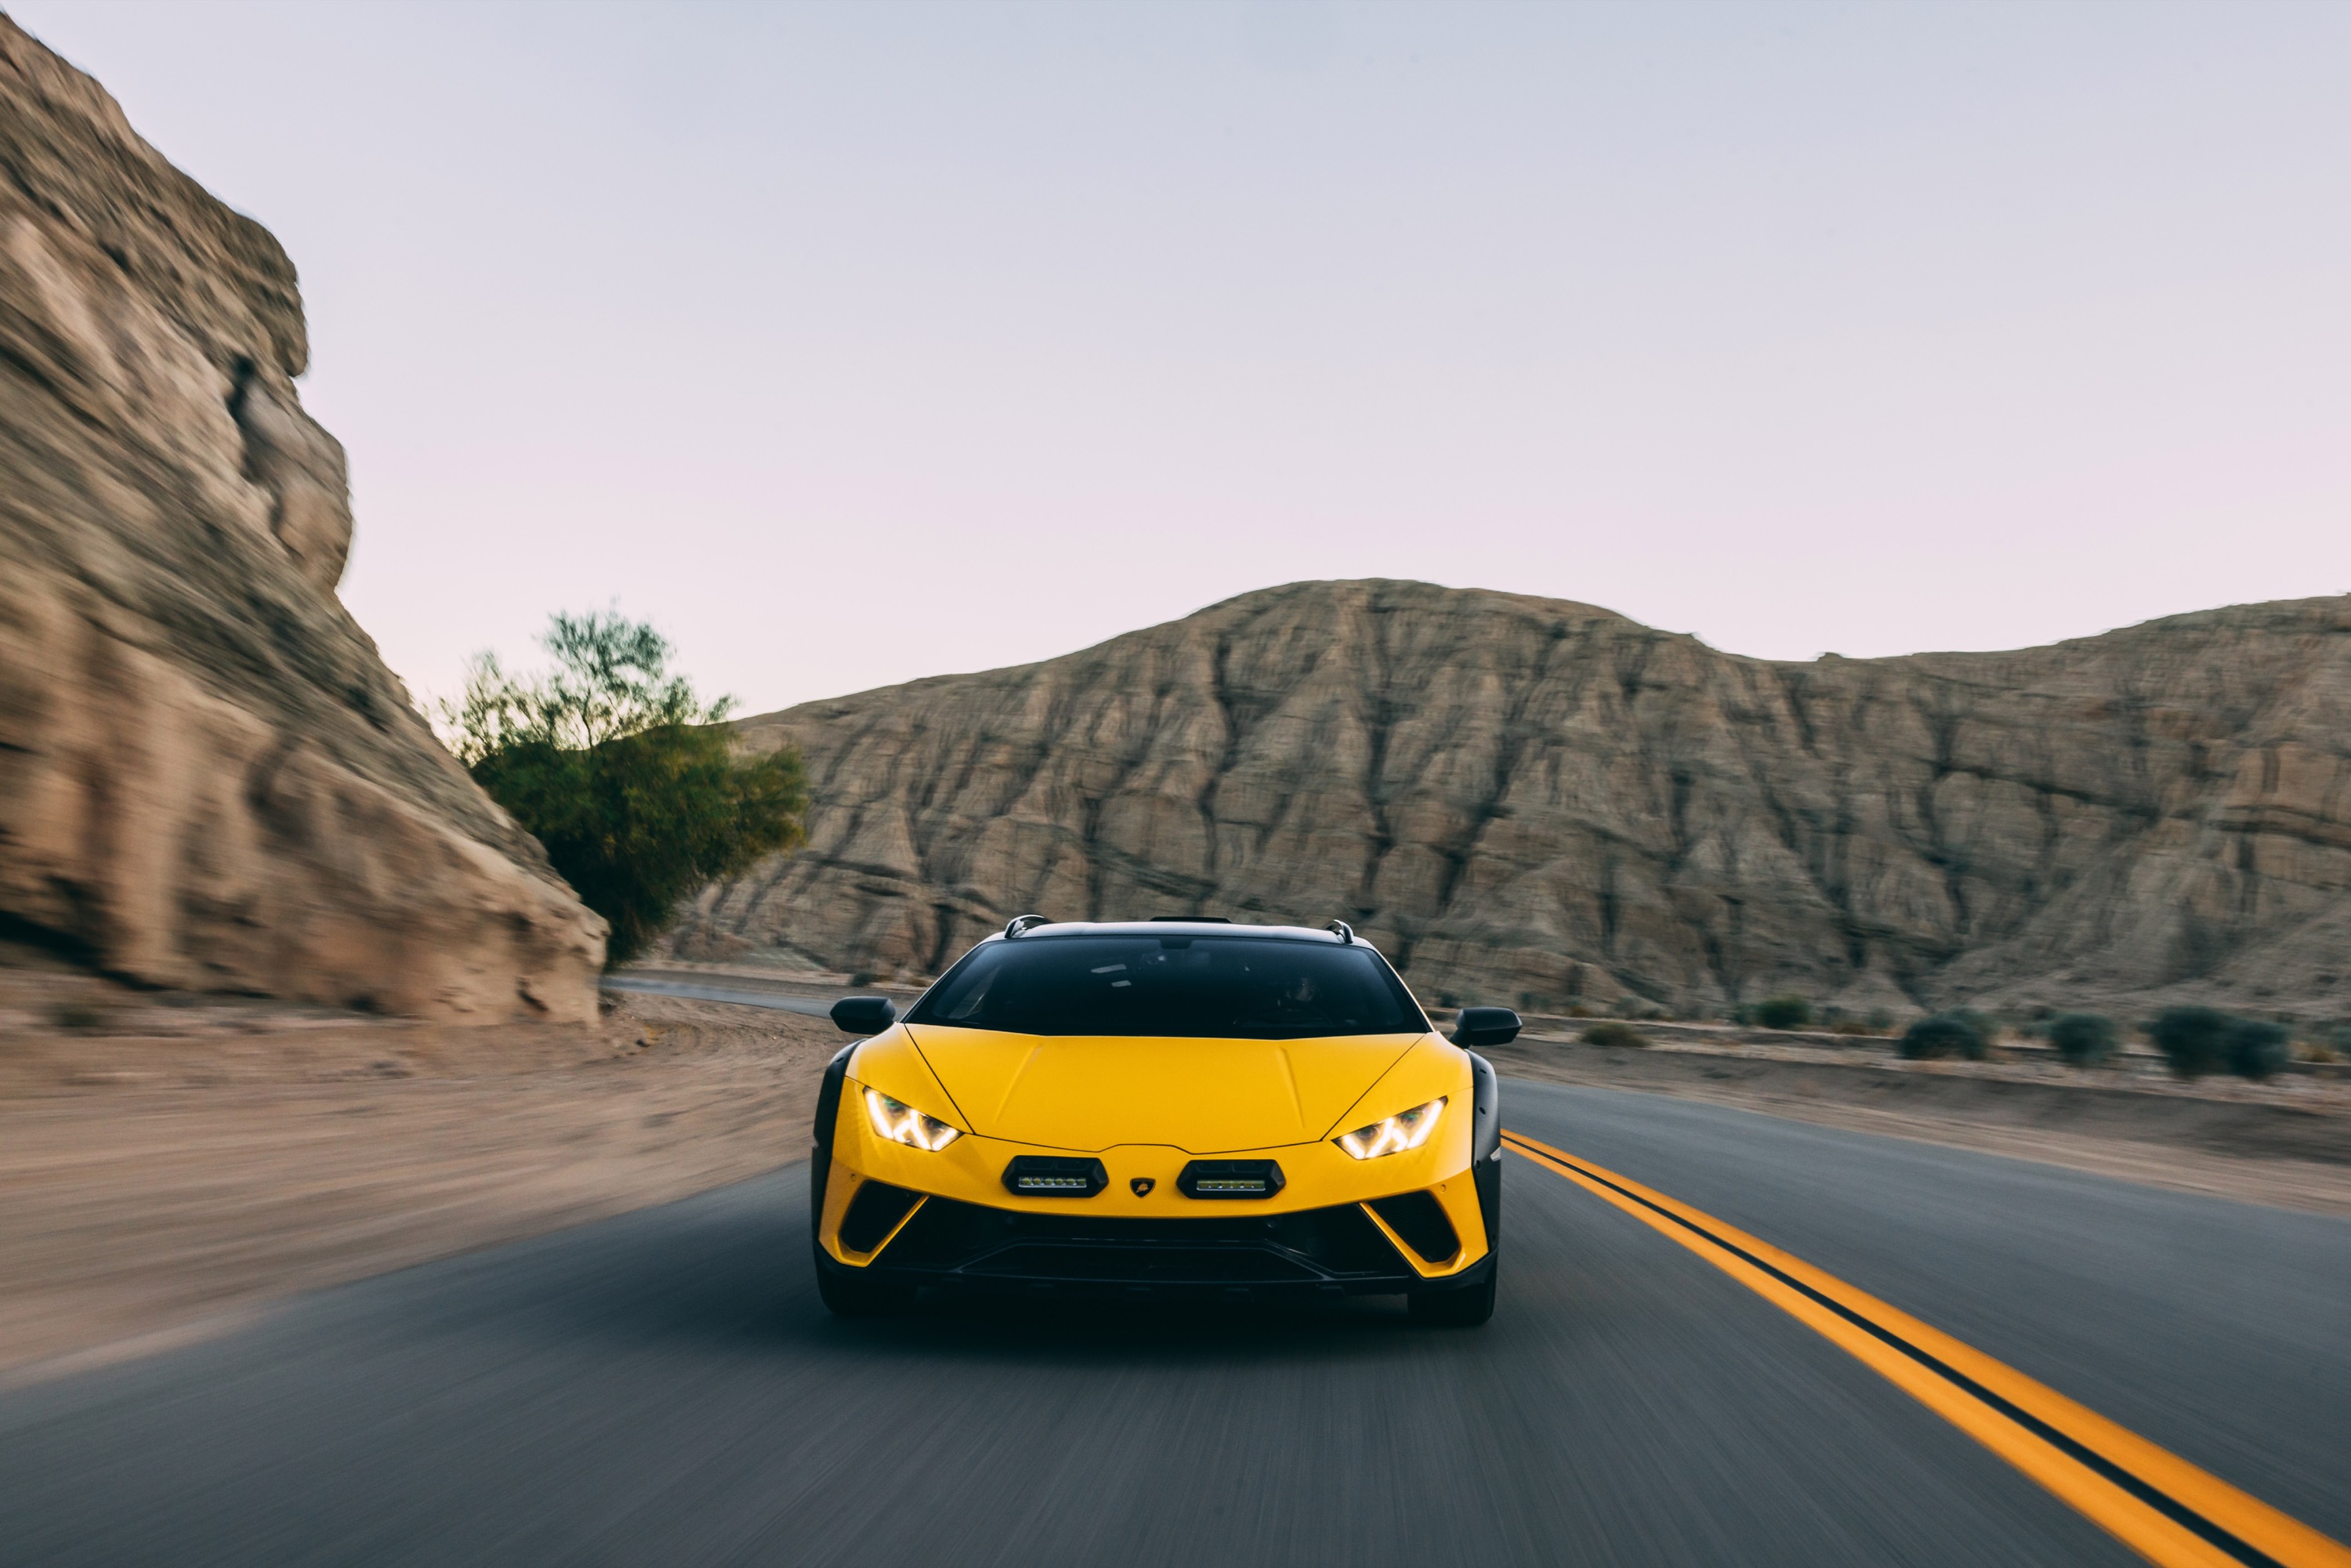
[828, 1116]
[1486, 1144]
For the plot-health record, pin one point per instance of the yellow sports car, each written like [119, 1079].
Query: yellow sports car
[1159, 1108]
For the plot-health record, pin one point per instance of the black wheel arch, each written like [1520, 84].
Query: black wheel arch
[828, 1115]
[1486, 1144]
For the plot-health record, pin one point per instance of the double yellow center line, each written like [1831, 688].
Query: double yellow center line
[2151, 1500]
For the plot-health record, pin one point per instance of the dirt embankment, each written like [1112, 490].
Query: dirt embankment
[170, 1167]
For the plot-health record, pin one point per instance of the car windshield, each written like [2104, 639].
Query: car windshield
[1236, 987]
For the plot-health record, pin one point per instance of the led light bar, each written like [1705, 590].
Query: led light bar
[1055, 1175]
[1230, 1179]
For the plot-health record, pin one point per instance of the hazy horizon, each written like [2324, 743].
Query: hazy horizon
[853, 345]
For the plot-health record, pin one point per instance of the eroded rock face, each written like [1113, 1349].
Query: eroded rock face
[1537, 803]
[207, 777]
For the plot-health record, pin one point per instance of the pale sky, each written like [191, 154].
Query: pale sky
[856, 343]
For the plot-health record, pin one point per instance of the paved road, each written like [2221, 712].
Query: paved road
[665, 1389]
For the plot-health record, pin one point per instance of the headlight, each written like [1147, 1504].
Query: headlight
[895, 1121]
[1405, 1130]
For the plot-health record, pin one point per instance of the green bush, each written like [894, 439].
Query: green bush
[2084, 1040]
[2256, 1048]
[630, 781]
[1613, 1032]
[1783, 1011]
[1983, 1023]
[2194, 1040]
[1945, 1034]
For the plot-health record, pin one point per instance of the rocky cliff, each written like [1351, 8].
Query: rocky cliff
[207, 777]
[1539, 803]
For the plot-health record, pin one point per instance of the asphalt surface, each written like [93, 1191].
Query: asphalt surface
[666, 1387]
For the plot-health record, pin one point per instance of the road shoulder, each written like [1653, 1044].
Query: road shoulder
[2251, 1153]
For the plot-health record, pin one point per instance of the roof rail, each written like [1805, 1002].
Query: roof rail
[1341, 929]
[1020, 922]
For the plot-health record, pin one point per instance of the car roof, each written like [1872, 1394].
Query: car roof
[1172, 928]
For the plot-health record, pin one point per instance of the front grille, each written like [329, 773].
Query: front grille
[1317, 1246]
[1099, 1263]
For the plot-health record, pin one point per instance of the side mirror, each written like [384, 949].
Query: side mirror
[872, 1015]
[1485, 1025]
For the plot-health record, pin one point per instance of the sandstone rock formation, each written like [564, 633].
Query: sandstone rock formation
[207, 777]
[1538, 802]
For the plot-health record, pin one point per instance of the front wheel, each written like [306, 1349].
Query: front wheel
[1462, 1307]
[857, 1294]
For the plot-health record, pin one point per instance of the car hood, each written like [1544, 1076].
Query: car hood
[1203, 1096]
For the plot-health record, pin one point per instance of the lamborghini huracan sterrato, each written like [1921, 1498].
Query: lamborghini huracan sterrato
[1163, 1108]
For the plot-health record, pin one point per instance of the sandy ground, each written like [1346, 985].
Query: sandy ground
[177, 1166]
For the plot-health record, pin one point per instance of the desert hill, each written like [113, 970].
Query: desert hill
[208, 780]
[1545, 803]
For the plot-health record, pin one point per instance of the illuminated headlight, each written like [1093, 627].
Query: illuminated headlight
[895, 1121]
[1405, 1130]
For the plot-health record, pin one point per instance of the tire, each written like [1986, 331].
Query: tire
[849, 1294]
[1462, 1307]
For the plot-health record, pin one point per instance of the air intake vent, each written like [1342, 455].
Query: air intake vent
[873, 1212]
[1052, 1175]
[1420, 1219]
[1230, 1179]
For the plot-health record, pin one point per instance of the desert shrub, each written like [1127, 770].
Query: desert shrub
[1783, 1011]
[81, 1018]
[1447, 999]
[863, 977]
[2194, 1040]
[2084, 1040]
[1612, 1031]
[1983, 1023]
[2256, 1048]
[630, 781]
[1945, 1034]
[1850, 1026]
